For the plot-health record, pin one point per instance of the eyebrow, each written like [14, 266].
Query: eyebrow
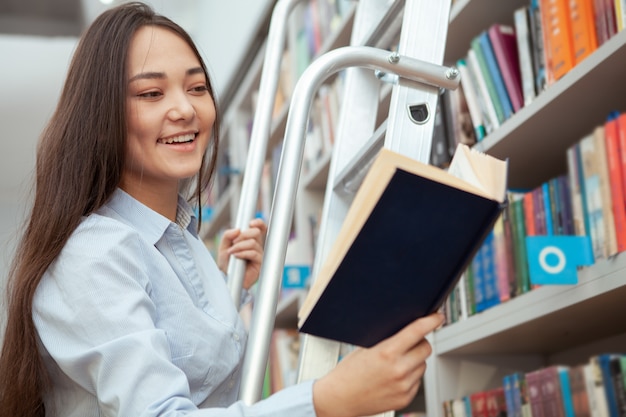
[161, 75]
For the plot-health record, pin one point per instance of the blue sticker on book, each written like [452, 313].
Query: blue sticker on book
[553, 260]
[296, 276]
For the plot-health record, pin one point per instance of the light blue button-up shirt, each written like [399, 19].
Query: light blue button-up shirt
[135, 320]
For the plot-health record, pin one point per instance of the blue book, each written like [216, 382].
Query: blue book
[507, 383]
[547, 206]
[609, 387]
[496, 75]
[566, 392]
[478, 277]
[490, 277]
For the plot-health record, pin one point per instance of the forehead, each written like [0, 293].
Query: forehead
[154, 48]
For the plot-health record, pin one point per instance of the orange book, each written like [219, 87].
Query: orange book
[584, 39]
[616, 179]
[557, 38]
[621, 129]
[529, 213]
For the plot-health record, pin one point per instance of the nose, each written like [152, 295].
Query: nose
[181, 107]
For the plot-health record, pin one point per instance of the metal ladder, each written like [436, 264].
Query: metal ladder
[417, 76]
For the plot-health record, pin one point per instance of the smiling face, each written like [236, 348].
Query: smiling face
[170, 114]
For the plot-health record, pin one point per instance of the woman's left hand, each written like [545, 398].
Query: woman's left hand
[246, 245]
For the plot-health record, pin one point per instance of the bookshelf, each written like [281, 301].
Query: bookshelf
[547, 325]
[552, 324]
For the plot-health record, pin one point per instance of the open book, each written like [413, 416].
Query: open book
[409, 234]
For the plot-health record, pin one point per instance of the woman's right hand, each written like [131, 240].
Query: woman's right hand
[382, 378]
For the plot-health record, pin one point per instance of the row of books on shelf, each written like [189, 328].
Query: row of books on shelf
[508, 65]
[324, 116]
[595, 388]
[320, 19]
[588, 200]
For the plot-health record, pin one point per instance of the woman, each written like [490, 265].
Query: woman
[116, 307]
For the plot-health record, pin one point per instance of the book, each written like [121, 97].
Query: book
[533, 381]
[488, 108]
[580, 398]
[584, 39]
[393, 260]
[496, 402]
[600, 404]
[621, 131]
[557, 38]
[504, 43]
[574, 172]
[616, 179]
[524, 50]
[478, 54]
[469, 87]
[478, 401]
[620, 14]
[566, 391]
[495, 73]
[536, 36]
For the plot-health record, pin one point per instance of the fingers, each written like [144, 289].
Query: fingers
[413, 333]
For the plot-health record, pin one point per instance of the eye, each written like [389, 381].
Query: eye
[200, 89]
[150, 94]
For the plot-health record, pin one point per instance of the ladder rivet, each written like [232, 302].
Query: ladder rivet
[452, 73]
[394, 58]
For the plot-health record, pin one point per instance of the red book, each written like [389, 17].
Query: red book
[616, 179]
[533, 385]
[552, 398]
[478, 401]
[504, 45]
[496, 402]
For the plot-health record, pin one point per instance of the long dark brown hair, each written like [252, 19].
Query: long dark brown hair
[80, 158]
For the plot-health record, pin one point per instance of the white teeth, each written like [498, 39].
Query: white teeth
[178, 139]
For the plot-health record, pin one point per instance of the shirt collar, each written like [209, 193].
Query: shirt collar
[147, 221]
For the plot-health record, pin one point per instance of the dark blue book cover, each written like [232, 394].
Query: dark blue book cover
[404, 260]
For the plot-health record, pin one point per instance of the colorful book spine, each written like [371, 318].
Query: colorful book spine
[576, 193]
[547, 203]
[490, 116]
[492, 93]
[504, 44]
[578, 388]
[584, 39]
[521, 261]
[495, 73]
[604, 362]
[610, 248]
[490, 280]
[476, 265]
[471, 97]
[566, 392]
[533, 381]
[557, 38]
[616, 179]
[621, 128]
[524, 49]
[601, 405]
[536, 33]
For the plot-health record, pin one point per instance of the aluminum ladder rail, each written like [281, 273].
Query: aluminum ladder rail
[259, 136]
[417, 72]
[424, 25]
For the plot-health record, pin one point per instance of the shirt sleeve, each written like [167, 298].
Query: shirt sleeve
[95, 320]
